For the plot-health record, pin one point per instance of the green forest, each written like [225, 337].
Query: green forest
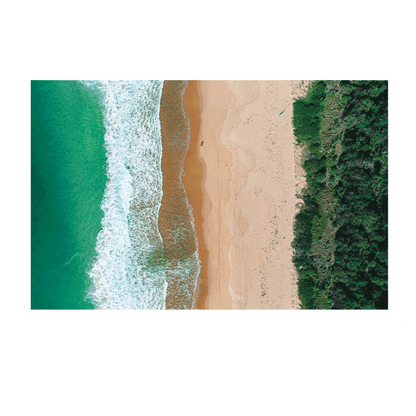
[340, 230]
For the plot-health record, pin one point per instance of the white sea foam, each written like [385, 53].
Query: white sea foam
[124, 272]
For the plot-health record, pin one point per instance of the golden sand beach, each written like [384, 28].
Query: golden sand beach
[243, 147]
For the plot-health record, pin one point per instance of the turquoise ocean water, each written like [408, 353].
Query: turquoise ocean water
[97, 186]
[68, 177]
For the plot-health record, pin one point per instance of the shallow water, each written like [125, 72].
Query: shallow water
[100, 237]
[68, 176]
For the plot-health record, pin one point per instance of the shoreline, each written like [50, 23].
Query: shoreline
[192, 179]
[175, 218]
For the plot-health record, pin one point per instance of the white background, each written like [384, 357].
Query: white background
[25, 316]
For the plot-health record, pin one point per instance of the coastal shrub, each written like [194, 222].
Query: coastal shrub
[342, 127]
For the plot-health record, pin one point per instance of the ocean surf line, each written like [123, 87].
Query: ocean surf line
[138, 255]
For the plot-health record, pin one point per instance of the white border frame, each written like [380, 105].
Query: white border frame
[24, 316]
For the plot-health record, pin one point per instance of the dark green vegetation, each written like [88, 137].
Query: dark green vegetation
[341, 229]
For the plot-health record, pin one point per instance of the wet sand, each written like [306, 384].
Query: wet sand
[251, 174]
[175, 219]
[192, 179]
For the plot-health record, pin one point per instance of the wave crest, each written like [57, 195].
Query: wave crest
[129, 269]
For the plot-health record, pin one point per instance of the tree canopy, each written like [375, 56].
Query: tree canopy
[340, 244]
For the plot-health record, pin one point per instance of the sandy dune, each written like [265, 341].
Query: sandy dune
[251, 174]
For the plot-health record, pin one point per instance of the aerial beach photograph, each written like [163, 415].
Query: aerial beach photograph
[209, 194]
